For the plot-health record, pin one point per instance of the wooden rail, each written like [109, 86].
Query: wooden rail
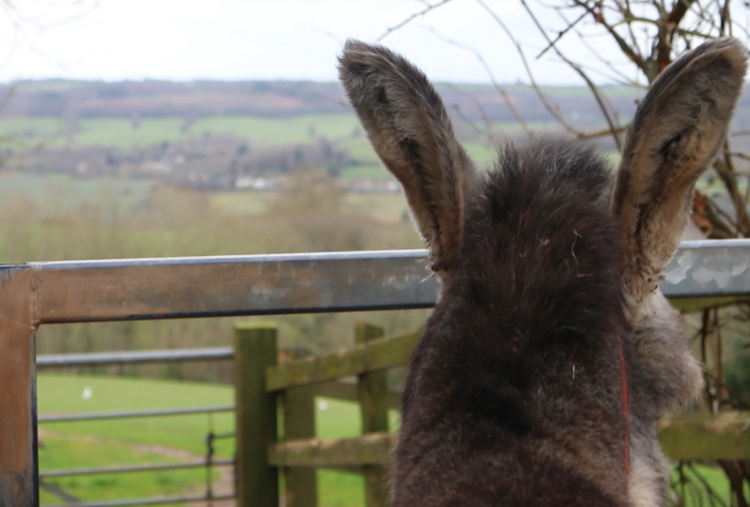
[368, 357]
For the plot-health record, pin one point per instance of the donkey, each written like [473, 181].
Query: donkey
[551, 353]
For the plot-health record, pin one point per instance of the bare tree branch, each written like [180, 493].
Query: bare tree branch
[627, 49]
[500, 89]
[725, 170]
[428, 8]
[592, 87]
[553, 110]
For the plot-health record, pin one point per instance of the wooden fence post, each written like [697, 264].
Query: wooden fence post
[254, 351]
[299, 423]
[373, 397]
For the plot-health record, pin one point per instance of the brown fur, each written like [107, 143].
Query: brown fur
[514, 394]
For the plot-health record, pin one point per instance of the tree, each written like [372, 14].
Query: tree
[21, 19]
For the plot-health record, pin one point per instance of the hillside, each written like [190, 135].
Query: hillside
[213, 135]
[159, 99]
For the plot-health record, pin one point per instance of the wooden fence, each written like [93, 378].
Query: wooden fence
[265, 389]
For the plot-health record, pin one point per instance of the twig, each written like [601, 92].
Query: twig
[724, 226]
[545, 101]
[468, 120]
[592, 87]
[740, 155]
[621, 77]
[632, 54]
[482, 110]
[570, 26]
[430, 7]
[725, 170]
[500, 89]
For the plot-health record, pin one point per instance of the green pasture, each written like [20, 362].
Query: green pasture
[78, 451]
[370, 171]
[125, 133]
[482, 153]
[127, 441]
[137, 440]
[63, 394]
[30, 127]
[280, 131]
[359, 148]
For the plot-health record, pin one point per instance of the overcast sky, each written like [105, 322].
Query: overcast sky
[258, 39]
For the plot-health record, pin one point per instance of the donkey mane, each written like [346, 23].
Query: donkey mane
[519, 326]
[552, 353]
[539, 241]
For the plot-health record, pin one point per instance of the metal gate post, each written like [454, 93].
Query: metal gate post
[18, 454]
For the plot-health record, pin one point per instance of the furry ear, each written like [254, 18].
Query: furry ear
[409, 128]
[676, 134]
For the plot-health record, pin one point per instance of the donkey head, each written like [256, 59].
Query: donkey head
[548, 258]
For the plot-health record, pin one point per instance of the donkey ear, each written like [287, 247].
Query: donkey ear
[409, 128]
[675, 135]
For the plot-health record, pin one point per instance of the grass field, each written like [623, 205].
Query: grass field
[127, 441]
[132, 441]
[121, 133]
[79, 451]
[60, 195]
[30, 127]
[124, 133]
[373, 171]
[281, 131]
[341, 129]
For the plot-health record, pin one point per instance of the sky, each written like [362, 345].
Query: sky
[263, 39]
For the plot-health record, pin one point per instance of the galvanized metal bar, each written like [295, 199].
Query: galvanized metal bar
[149, 501]
[86, 291]
[134, 413]
[716, 268]
[134, 468]
[90, 291]
[50, 361]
